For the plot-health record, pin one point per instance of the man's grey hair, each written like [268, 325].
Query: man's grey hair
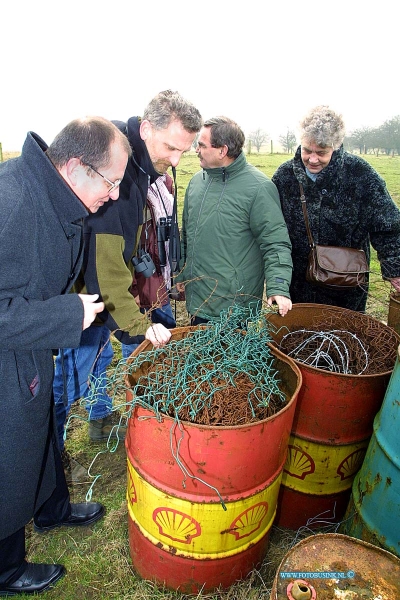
[324, 127]
[169, 106]
[88, 139]
[225, 132]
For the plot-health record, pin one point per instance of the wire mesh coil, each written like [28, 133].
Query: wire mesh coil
[220, 374]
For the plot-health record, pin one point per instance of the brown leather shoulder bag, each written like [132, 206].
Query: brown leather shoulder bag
[333, 266]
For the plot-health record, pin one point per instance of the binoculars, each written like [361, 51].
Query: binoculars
[163, 235]
[144, 264]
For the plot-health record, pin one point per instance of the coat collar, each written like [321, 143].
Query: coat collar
[47, 181]
[140, 155]
[332, 170]
[227, 172]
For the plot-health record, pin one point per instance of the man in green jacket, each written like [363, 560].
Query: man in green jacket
[234, 237]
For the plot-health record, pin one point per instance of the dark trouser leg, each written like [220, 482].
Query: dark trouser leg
[57, 508]
[12, 557]
[198, 321]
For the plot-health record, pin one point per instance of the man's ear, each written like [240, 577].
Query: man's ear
[145, 129]
[223, 151]
[73, 170]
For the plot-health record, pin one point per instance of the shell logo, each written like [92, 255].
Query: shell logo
[249, 521]
[131, 488]
[298, 463]
[351, 464]
[176, 525]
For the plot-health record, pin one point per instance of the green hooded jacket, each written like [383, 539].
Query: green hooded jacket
[234, 238]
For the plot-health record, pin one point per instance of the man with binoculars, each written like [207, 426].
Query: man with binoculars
[152, 279]
[158, 140]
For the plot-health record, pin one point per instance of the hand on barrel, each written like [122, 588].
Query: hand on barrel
[396, 283]
[158, 335]
[284, 304]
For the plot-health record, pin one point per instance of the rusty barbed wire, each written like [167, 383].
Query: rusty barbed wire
[349, 343]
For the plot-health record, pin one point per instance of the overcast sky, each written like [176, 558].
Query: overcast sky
[262, 63]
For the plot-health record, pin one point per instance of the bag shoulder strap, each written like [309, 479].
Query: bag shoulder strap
[303, 206]
[169, 183]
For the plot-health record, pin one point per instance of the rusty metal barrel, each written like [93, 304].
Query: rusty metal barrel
[332, 565]
[332, 425]
[373, 513]
[394, 312]
[202, 499]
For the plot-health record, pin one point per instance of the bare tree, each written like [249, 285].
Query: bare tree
[391, 134]
[258, 138]
[362, 138]
[288, 141]
[385, 138]
[365, 139]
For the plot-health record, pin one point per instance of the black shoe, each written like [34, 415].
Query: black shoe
[107, 428]
[35, 579]
[82, 514]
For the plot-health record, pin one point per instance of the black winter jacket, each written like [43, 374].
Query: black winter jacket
[41, 226]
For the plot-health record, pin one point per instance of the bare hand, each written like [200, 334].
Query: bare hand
[395, 283]
[90, 308]
[158, 335]
[284, 304]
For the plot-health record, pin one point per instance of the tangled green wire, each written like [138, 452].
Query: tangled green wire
[185, 375]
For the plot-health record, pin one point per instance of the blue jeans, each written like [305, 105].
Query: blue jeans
[161, 315]
[82, 365]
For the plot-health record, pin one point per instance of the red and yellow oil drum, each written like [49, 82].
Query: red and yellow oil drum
[331, 428]
[193, 534]
[331, 565]
[373, 513]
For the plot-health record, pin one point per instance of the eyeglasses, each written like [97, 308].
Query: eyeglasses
[112, 184]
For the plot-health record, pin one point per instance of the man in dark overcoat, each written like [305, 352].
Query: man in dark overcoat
[44, 196]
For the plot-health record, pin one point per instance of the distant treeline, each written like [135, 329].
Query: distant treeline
[384, 139]
[367, 140]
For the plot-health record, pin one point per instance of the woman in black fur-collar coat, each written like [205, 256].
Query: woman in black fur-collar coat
[347, 202]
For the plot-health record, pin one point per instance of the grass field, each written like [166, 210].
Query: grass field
[97, 558]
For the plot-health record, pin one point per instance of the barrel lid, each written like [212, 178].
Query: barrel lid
[333, 566]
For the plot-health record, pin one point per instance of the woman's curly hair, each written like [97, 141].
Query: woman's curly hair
[324, 127]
